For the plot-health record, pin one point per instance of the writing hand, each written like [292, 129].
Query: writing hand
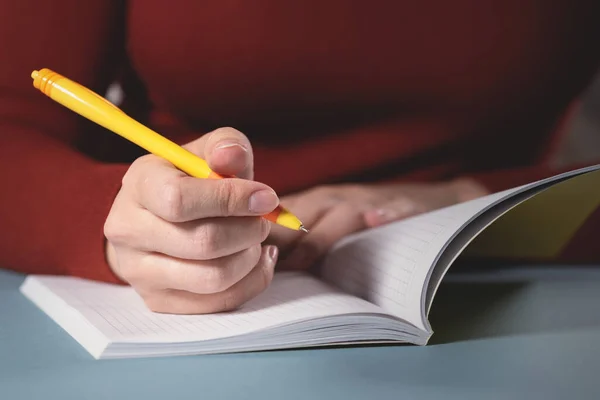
[167, 235]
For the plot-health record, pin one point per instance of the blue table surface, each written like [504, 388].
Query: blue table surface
[516, 333]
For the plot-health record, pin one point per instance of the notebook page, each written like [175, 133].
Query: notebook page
[536, 232]
[121, 316]
[389, 265]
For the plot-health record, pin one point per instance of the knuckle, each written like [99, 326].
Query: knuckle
[129, 176]
[255, 253]
[115, 230]
[230, 300]
[216, 280]
[128, 179]
[228, 197]
[171, 201]
[132, 173]
[207, 238]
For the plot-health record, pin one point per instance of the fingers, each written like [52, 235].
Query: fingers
[403, 207]
[420, 198]
[227, 151]
[196, 240]
[191, 302]
[309, 207]
[173, 196]
[153, 271]
[339, 222]
[168, 238]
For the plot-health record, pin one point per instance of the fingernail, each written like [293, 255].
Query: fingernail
[385, 215]
[225, 144]
[273, 252]
[263, 201]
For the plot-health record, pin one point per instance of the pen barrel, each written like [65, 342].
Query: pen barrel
[99, 110]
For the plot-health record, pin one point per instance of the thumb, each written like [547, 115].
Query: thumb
[227, 151]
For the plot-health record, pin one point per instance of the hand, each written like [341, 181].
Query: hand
[166, 238]
[332, 212]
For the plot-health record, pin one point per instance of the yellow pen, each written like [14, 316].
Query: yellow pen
[96, 108]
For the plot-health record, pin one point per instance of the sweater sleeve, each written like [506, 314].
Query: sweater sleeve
[54, 199]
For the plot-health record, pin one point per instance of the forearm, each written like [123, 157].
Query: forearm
[53, 206]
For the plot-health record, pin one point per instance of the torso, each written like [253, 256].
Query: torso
[425, 85]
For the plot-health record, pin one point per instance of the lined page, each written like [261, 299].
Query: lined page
[120, 314]
[389, 265]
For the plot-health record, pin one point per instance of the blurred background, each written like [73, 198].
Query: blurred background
[582, 144]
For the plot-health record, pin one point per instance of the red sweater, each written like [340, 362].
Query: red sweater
[327, 90]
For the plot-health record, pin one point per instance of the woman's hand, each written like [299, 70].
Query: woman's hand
[332, 212]
[168, 240]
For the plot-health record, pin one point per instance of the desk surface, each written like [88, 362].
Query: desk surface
[507, 335]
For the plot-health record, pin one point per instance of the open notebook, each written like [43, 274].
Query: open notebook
[375, 286]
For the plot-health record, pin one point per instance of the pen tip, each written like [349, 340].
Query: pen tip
[303, 229]
[34, 74]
